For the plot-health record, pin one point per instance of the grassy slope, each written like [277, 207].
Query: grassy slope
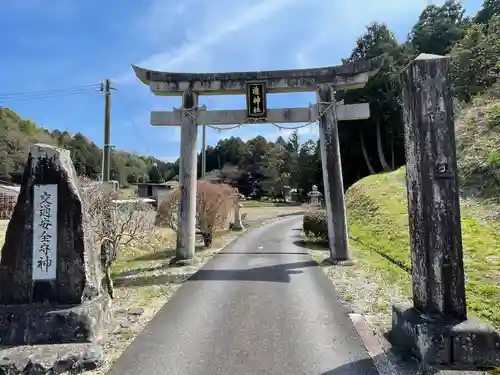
[378, 224]
[478, 140]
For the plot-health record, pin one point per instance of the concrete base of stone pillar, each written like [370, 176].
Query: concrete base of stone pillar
[52, 324]
[471, 343]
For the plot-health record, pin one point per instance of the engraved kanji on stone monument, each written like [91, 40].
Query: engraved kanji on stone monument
[44, 261]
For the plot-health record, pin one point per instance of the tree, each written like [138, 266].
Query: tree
[376, 41]
[380, 93]
[475, 65]
[365, 154]
[274, 175]
[214, 204]
[292, 161]
[489, 9]
[309, 163]
[155, 175]
[438, 28]
[113, 226]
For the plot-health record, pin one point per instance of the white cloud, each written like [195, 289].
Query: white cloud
[227, 35]
[340, 23]
[220, 35]
[214, 25]
[154, 24]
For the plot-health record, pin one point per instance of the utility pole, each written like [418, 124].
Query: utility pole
[203, 151]
[106, 156]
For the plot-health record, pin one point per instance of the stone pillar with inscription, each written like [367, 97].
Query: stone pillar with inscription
[50, 272]
[435, 328]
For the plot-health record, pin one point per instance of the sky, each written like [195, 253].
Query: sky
[71, 44]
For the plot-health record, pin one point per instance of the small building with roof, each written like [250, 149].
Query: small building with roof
[155, 190]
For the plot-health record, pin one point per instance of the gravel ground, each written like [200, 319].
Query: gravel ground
[364, 291]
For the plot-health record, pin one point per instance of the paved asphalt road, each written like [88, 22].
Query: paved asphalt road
[261, 307]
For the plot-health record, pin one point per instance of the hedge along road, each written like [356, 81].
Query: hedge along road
[262, 306]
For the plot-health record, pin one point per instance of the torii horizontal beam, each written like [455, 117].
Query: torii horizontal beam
[345, 112]
[343, 77]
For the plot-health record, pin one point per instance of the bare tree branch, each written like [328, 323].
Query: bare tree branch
[114, 224]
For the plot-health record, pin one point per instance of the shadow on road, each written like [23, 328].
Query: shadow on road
[361, 367]
[278, 273]
[311, 245]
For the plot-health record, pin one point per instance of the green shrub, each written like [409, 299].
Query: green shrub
[492, 113]
[315, 225]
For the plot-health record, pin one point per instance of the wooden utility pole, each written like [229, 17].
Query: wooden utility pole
[106, 157]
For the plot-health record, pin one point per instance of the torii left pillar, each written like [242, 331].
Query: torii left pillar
[186, 229]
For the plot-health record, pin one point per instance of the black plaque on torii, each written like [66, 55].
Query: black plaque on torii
[256, 100]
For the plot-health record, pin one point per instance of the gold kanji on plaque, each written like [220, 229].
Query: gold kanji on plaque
[256, 100]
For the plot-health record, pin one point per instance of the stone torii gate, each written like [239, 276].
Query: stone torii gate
[255, 85]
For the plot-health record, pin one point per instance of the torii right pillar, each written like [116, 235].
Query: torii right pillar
[436, 328]
[338, 239]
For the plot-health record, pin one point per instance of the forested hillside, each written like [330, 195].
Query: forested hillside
[260, 166]
[17, 135]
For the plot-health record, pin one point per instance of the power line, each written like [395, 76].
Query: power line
[42, 92]
[46, 94]
[22, 99]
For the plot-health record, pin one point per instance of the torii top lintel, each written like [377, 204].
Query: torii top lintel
[344, 77]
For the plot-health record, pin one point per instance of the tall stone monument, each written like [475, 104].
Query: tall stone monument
[436, 328]
[50, 271]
